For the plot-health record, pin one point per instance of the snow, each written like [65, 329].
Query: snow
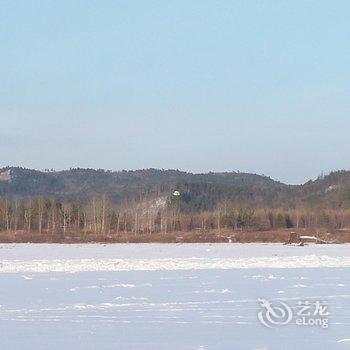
[100, 265]
[154, 257]
[168, 296]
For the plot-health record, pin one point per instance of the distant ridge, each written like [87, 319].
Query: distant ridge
[126, 185]
[200, 191]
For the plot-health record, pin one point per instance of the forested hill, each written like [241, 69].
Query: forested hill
[199, 191]
[331, 191]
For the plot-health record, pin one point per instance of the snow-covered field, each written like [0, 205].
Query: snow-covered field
[168, 296]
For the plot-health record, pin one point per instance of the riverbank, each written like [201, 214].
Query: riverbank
[197, 236]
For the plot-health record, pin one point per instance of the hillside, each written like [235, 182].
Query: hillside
[331, 191]
[200, 191]
[166, 205]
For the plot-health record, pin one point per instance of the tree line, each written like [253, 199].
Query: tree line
[100, 216]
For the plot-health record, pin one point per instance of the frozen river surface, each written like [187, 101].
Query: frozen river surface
[160, 296]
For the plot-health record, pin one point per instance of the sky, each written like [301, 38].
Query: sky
[253, 86]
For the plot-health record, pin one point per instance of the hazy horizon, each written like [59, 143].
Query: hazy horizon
[167, 169]
[259, 87]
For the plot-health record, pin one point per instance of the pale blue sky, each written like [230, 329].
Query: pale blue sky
[258, 86]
